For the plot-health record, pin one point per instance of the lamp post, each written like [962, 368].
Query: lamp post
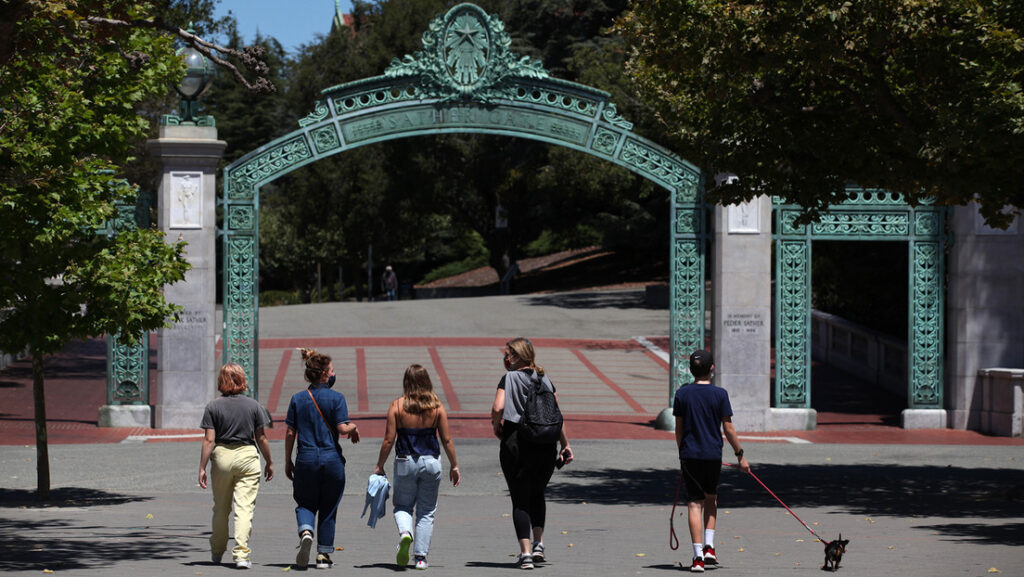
[198, 76]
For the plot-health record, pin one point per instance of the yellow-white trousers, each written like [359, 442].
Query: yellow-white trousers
[235, 479]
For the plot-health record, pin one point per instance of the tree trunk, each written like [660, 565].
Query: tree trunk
[42, 447]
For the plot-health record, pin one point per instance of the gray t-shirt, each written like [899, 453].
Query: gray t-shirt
[235, 419]
[516, 384]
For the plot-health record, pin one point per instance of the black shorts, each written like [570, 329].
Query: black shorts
[701, 477]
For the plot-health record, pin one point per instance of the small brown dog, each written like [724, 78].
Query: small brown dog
[834, 553]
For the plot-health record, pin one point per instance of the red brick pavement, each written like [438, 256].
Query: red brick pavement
[75, 389]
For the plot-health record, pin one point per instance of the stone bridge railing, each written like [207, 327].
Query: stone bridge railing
[869, 355]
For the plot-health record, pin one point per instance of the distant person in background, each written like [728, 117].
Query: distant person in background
[389, 280]
[234, 426]
[317, 417]
[415, 421]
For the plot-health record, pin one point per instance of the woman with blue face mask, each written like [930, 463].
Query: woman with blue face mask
[317, 417]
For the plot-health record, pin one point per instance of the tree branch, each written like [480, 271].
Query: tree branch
[251, 57]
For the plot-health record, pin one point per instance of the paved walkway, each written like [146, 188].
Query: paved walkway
[134, 509]
[612, 385]
[951, 504]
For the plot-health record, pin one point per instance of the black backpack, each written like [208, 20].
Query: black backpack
[542, 420]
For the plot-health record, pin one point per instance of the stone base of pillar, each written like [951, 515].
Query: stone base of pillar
[750, 420]
[179, 417]
[793, 419]
[125, 416]
[666, 421]
[924, 419]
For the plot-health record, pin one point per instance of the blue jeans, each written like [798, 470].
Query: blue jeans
[416, 485]
[317, 488]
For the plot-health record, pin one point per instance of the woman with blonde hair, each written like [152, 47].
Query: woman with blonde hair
[234, 426]
[415, 421]
[317, 417]
[527, 466]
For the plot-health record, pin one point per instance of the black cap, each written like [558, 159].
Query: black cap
[700, 362]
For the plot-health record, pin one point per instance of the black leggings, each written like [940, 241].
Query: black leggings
[527, 469]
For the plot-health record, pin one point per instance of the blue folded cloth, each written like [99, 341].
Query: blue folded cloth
[377, 489]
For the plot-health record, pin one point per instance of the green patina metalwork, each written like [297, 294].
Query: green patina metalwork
[868, 215]
[128, 365]
[464, 80]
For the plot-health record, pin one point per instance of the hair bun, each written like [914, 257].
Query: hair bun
[307, 353]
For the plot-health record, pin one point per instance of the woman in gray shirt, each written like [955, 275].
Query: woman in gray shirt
[234, 426]
[527, 467]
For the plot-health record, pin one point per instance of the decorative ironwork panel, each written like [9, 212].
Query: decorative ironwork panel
[267, 165]
[793, 304]
[605, 141]
[689, 220]
[128, 365]
[241, 217]
[885, 223]
[927, 332]
[659, 166]
[240, 305]
[325, 139]
[687, 315]
[927, 224]
[127, 372]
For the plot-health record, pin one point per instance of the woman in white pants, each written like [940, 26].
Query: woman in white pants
[415, 421]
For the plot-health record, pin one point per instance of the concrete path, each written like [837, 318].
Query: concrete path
[129, 510]
[126, 503]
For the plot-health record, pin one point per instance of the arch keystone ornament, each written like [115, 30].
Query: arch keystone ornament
[465, 79]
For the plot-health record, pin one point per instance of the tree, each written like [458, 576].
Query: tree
[801, 98]
[69, 86]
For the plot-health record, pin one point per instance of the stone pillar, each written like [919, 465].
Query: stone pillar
[187, 372]
[985, 310]
[741, 309]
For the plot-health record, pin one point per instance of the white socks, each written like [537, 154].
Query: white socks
[698, 551]
[709, 537]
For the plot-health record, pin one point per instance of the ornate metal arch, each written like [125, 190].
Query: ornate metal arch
[871, 215]
[464, 80]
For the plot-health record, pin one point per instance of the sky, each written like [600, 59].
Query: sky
[292, 22]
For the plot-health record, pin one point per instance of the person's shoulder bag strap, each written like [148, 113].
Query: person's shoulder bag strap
[332, 430]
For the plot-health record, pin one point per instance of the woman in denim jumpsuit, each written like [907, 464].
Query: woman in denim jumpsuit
[317, 417]
[416, 420]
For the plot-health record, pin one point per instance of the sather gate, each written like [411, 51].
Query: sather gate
[464, 80]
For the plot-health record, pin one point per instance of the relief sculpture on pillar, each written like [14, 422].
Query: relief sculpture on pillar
[186, 200]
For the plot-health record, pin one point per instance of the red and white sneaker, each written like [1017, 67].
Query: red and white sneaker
[697, 566]
[709, 555]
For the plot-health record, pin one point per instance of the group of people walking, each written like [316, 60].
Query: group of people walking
[417, 429]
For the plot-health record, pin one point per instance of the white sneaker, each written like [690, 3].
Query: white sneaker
[243, 564]
[421, 562]
[402, 558]
[305, 544]
[525, 561]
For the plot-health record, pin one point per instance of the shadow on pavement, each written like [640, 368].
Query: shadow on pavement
[491, 565]
[1007, 534]
[65, 497]
[594, 300]
[60, 546]
[869, 490]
